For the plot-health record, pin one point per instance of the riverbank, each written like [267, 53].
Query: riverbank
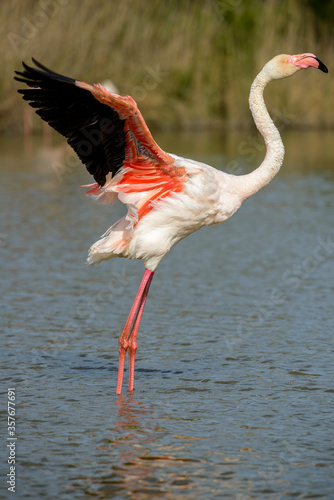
[189, 65]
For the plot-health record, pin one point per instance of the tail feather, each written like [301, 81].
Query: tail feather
[100, 195]
[112, 243]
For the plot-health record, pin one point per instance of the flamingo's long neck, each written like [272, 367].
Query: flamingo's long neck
[273, 160]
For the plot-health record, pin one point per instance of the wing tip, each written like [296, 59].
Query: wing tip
[32, 75]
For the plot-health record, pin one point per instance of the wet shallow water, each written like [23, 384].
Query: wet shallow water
[234, 371]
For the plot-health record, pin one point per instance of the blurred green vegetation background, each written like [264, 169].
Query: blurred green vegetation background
[188, 63]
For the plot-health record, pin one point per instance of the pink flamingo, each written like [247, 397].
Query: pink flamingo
[168, 197]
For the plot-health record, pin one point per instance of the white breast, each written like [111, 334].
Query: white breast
[208, 198]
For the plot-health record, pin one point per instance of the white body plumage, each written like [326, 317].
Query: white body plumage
[209, 197]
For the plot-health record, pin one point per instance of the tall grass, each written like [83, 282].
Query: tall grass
[188, 64]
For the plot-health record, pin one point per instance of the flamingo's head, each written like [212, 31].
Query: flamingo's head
[285, 65]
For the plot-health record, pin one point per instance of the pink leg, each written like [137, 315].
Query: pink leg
[134, 331]
[123, 340]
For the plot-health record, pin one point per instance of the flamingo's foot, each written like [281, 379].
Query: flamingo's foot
[123, 346]
[132, 354]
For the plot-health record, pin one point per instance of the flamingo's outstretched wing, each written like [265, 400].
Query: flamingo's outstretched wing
[106, 131]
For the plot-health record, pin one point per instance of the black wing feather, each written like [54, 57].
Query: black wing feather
[94, 130]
